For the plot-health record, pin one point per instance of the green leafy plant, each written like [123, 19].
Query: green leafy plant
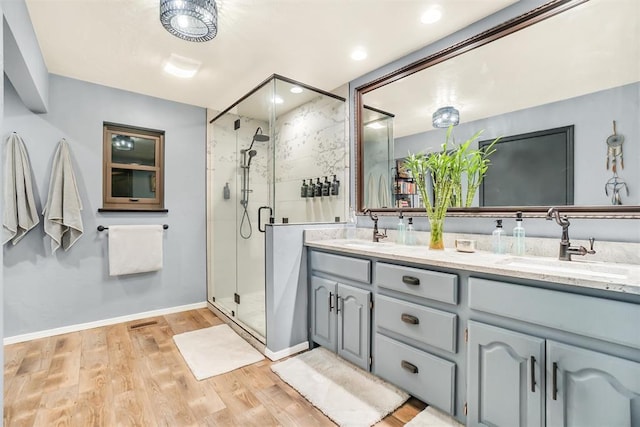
[447, 168]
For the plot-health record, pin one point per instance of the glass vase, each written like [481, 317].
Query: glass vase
[436, 240]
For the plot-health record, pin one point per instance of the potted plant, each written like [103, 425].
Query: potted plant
[447, 169]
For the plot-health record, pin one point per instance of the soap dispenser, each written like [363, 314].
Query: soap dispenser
[401, 231]
[311, 189]
[304, 190]
[318, 188]
[326, 187]
[518, 236]
[335, 186]
[410, 237]
[498, 238]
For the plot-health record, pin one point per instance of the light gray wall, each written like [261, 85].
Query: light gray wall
[45, 291]
[1, 210]
[24, 62]
[614, 230]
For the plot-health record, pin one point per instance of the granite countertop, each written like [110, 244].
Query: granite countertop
[615, 277]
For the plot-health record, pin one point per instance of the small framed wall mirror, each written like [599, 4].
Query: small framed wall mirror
[547, 69]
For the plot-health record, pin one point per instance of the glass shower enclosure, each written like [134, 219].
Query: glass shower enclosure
[259, 152]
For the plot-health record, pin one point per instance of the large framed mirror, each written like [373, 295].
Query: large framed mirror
[567, 64]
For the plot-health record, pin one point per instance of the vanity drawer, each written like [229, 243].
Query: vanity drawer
[415, 281]
[427, 325]
[423, 375]
[343, 266]
[608, 320]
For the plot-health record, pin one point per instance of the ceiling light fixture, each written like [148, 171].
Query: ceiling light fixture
[432, 15]
[122, 142]
[358, 54]
[277, 100]
[296, 89]
[375, 125]
[445, 117]
[190, 20]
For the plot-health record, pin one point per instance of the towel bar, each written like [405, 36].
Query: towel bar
[102, 227]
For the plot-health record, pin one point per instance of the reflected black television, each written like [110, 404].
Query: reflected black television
[530, 169]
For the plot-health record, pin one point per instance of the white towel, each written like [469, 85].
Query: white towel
[62, 217]
[20, 212]
[134, 249]
[372, 194]
[383, 192]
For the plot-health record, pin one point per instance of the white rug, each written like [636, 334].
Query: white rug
[215, 350]
[343, 392]
[431, 417]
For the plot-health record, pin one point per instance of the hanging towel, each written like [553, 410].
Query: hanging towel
[134, 249]
[372, 194]
[383, 191]
[20, 212]
[62, 218]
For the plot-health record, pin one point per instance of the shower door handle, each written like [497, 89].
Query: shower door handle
[260, 209]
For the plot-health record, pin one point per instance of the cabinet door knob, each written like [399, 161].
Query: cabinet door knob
[410, 280]
[407, 318]
[409, 367]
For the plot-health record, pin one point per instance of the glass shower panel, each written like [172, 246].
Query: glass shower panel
[310, 146]
[378, 159]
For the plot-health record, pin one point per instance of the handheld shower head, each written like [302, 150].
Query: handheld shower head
[252, 154]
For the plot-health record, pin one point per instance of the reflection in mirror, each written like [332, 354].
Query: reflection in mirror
[559, 72]
[378, 159]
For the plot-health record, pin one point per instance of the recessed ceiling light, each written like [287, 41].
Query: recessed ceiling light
[432, 15]
[277, 100]
[182, 67]
[296, 89]
[358, 54]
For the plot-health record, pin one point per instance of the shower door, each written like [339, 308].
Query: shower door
[239, 185]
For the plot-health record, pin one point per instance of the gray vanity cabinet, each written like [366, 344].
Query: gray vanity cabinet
[340, 314]
[591, 388]
[340, 319]
[506, 377]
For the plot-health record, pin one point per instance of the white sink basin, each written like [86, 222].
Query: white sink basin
[582, 268]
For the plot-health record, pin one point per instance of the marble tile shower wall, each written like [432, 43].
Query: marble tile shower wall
[311, 143]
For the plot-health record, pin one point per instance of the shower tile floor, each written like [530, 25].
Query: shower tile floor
[250, 311]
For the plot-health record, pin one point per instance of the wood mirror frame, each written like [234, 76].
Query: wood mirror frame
[523, 21]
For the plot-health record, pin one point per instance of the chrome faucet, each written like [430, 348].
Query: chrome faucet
[566, 250]
[376, 234]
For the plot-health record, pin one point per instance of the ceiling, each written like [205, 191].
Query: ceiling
[121, 43]
[564, 58]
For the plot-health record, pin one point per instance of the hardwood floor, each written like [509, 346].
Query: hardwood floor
[119, 376]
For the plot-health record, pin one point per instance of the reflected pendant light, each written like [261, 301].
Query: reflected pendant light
[191, 20]
[445, 117]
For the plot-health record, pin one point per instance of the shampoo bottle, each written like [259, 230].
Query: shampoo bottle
[335, 186]
[303, 189]
[410, 238]
[318, 188]
[518, 236]
[401, 232]
[326, 187]
[311, 188]
[498, 238]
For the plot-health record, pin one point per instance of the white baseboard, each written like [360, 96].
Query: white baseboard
[277, 355]
[98, 323]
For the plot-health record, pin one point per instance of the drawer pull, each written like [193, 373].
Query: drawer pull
[410, 280]
[407, 318]
[409, 367]
[330, 302]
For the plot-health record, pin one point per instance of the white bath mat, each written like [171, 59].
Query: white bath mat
[343, 392]
[431, 417]
[215, 350]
